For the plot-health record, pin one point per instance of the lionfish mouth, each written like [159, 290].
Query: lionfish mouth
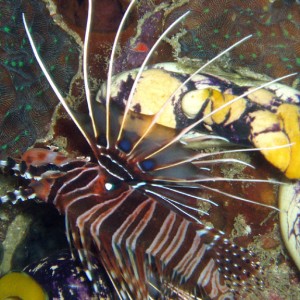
[135, 208]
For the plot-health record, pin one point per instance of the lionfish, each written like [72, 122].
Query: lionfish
[135, 207]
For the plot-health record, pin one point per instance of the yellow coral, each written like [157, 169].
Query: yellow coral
[20, 286]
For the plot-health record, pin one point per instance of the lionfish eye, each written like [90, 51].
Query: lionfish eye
[109, 186]
[112, 184]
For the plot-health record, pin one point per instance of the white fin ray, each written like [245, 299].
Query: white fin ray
[199, 156]
[175, 190]
[85, 66]
[161, 110]
[55, 88]
[202, 137]
[219, 192]
[240, 198]
[187, 129]
[214, 179]
[222, 161]
[179, 204]
[142, 68]
[171, 202]
[110, 69]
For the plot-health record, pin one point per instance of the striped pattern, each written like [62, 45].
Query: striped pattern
[147, 249]
[136, 209]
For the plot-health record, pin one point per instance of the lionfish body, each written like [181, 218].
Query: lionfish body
[149, 247]
[135, 207]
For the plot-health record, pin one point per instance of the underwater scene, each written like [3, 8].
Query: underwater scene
[149, 149]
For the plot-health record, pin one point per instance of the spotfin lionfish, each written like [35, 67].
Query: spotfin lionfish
[134, 206]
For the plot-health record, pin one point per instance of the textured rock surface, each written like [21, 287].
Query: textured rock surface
[27, 103]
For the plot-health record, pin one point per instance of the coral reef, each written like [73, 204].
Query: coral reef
[27, 103]
[212, 26]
